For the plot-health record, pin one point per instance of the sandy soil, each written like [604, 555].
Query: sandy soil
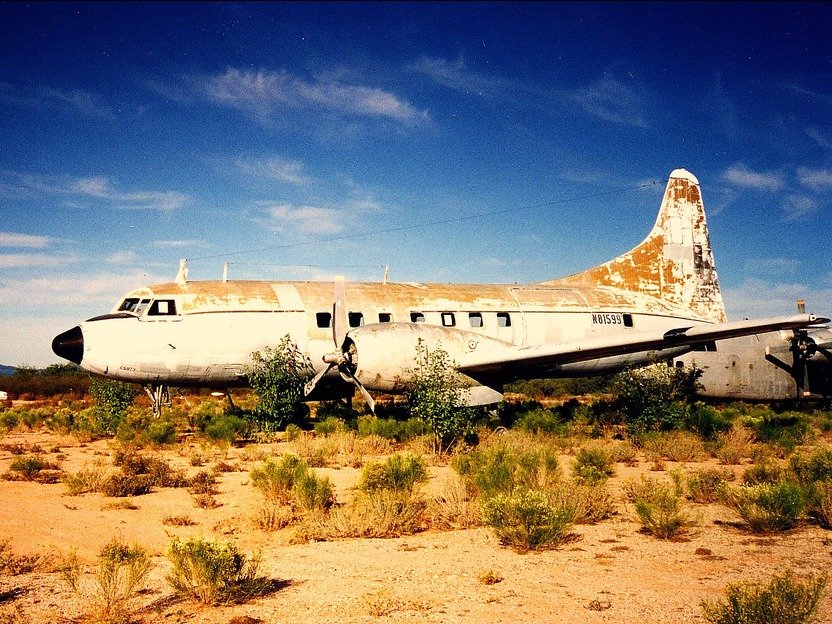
[610, 572]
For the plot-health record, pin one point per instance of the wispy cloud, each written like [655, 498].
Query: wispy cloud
[796, 207]
[263, 93]
[100, 189]
[123, 257]
[15, 239]
[773, 265]
[303, 219]
[816, 179]
[104, 288]
[272, 168]
[823, 140]
[740, 175]
[31, 260]
[178, 244]
[458, 76]
[611, 100]
[78, 100]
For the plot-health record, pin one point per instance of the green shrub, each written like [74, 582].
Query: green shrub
[141, 427]
[661, 513]
[819, 504]
[785, 599]
[814, 467]
[290, 482]
[593, 465]
[399, 473]
[120, 576]
[330, 425]
[30, 467]
[293, 432]
[707, 421]
[503, 465]
[278, 377]
[540, 421]
[226, 427]
[768, 506]
[212, 572]
[389, 428]
[764, 472]
[706, 486]
[786, 430]
[526, 519]
[112, 399]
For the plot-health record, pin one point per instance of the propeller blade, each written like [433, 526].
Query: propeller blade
[310, 385]
[340, 322]
[364, 392]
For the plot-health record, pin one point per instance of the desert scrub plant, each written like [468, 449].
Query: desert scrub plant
[213, 572]
[706, 485]
[769, 506]
[675, 446]
[112, 399]
[33, 468]
[398, 473]
[454, 507]
[819, 503]
[158, 471]
[812, 467]
[14, 565]
[763, 472]
[382, 513]
[289, 482]
[526, 520]
[589, 502]
[593, 465]
[120, 575]
[734, 445]
[785, 599]
[661, 513]
[785, 431]
[507, 462]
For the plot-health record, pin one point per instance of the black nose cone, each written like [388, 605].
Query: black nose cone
[70, 345]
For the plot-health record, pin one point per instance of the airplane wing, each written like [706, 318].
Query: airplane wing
[543, 359]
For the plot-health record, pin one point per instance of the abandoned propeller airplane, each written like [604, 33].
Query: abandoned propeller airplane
[657, 301]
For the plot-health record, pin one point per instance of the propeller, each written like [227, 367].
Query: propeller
[803, 348]
[345, 357]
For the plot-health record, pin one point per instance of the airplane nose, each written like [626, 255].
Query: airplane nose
[69, 345]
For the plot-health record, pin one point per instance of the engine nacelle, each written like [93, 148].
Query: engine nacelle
[384, 354]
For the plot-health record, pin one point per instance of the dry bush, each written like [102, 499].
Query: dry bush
[178, 521]
[641, 488]
[14, 565]
[820, 503]
[735, 445]
[127, 504]
[527, 520]
[341, 448]
[662, 514]
[383, 513]
[706, 486]
[86, 480]
[33, 468]
[454, 508]
[768, 506]
[622, 452]
[489, 577]
[675, 446]
[588, 502]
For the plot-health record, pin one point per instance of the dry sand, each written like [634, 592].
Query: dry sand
[610, 572]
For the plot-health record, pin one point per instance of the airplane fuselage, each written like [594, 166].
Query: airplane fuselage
[204, 333]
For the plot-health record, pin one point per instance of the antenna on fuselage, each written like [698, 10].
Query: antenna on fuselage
[182, 276]
[386, 272]
[225, 272]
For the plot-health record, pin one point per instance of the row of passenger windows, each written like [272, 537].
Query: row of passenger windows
[449, 319]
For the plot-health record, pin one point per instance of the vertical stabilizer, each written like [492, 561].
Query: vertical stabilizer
[674, 263]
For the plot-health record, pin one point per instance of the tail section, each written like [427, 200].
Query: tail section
[674, 263]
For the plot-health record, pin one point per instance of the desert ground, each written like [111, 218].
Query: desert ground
[607, 572]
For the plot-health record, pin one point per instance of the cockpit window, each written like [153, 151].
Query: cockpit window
[162, 307]
[129, 304]
[141, 307]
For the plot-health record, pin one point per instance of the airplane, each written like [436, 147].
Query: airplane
[657, 301]
[773, 366]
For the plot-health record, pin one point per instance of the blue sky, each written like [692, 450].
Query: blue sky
[453, 142]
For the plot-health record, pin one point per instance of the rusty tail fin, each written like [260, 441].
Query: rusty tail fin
[674, 263]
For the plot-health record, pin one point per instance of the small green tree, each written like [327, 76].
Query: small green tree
[436, 395]
[277, 376]
[112, 399]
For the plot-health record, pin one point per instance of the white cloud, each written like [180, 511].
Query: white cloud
[30, 260]
[101, 289]
[820, 138]
[611, 100]
[178, 244]
[123, 257]
[95, 187]
[15, 239]
[305, 219]
[796, 207]
[756, 298]
[457, 76]
[273, 168]
[772, 265]
[740, 175]
[816, 179]
[262, 93]
[81, 101]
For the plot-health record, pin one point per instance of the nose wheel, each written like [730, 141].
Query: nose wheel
[159, 395]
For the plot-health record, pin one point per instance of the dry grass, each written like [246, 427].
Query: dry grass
[383, 513]
[675, 446]
[735, 445]
[454, 508]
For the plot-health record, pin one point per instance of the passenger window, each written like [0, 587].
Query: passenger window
[448, 319]
[475, 319]
[141, 307]
[417, 317]
[356, 319]
[129, 304]
[628, 320]
[503, 319]
[384, 317]
[162, 307]
[324, 319]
